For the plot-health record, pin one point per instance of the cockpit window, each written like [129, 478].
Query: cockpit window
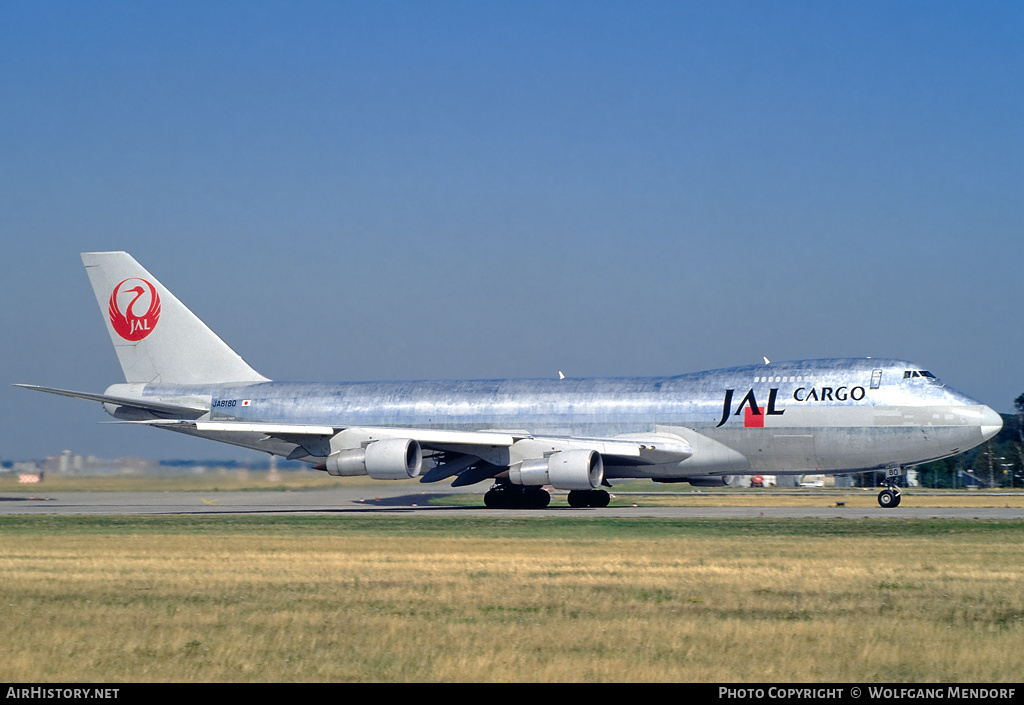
[918, 373]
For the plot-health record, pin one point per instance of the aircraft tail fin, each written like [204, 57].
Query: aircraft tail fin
[157, 339]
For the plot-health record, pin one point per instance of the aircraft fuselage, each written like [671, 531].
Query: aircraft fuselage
[829, 416]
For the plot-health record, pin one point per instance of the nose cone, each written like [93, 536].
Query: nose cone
[991, 422]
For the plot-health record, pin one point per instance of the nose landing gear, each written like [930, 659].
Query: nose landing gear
[889, 498]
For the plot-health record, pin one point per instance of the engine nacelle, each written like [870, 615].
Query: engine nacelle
[705, 481]
[388, 459]
[566, 470]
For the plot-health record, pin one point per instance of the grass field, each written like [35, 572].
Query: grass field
[368, 598]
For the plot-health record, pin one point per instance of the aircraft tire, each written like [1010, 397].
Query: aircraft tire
[887, 499]
[536, 499]
[516, 498]
[579, 499]
[492, 499]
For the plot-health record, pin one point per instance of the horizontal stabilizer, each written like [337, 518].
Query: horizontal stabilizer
[144, 404]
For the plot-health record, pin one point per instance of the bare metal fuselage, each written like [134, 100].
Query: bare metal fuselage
[828, 416]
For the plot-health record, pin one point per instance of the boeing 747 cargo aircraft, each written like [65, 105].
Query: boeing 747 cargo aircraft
[809, 416]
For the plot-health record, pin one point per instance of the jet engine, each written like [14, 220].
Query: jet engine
[566, 470]
[388, 459]
[720, 481]
[704, 481]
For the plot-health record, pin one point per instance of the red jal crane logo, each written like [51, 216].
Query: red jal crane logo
[130, 297]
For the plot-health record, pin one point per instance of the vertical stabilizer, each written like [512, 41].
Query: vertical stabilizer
[157, 339]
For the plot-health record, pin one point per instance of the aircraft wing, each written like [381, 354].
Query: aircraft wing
[454, 452]
[472, 456]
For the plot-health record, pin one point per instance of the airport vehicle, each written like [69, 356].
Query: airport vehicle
[809, 416]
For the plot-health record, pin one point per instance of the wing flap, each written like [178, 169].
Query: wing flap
[351, 435]
[269, 429]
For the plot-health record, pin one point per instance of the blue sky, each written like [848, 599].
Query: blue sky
[405, 190]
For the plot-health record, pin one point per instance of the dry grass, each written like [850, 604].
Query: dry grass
[325, 605]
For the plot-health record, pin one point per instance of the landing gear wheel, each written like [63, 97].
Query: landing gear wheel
[588, 498]
[535, 498]
[494, 498]
[889, 498]
[513, 497]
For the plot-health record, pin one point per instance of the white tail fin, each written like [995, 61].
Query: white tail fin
[157, 339]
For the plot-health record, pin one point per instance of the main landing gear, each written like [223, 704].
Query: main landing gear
[509, 496]
[502, 496]
[588, 498]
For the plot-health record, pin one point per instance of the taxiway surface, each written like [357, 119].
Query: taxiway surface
[400, 501]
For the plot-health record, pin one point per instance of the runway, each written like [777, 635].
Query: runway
[400, 501]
